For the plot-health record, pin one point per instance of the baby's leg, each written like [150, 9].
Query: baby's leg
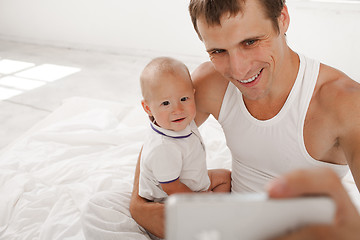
[220, 180]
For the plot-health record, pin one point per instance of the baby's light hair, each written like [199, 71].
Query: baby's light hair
[156, 68]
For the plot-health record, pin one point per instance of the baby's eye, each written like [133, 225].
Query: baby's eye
[165, 103]
[183, 99]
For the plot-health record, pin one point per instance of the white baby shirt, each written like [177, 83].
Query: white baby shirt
[168, 155]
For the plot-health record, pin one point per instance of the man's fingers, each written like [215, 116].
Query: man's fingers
[306, 182]
[319, 181]
[310, 233]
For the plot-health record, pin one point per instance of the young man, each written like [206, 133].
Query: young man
[280, 111]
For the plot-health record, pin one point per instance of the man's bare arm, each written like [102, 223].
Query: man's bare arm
[342, 96]
[350, 136]
[149, 215]
[339, 98]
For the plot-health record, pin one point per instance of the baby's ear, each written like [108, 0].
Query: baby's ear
[146, 107]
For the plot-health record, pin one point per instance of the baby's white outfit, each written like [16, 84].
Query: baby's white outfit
[167, 156]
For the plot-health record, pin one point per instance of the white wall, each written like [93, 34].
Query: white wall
[326, 31]
[329, 32]
[110, 25]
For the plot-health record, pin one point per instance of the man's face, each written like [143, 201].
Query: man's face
[246, 49]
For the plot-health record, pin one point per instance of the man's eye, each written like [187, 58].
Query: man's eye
[165, 103]
[217, 51]
[184, 99]
[250, 42]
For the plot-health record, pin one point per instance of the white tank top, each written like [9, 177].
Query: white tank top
[264, 150]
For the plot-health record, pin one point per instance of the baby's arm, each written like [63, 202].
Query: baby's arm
[220, 182]
[175, 187]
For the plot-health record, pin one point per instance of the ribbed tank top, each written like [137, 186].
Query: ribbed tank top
[264, 150]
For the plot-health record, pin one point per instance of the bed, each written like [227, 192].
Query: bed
[71, 176]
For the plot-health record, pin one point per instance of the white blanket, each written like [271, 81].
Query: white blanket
[86, 148]
[71, 176]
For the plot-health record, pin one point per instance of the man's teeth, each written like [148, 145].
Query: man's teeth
[250, 79]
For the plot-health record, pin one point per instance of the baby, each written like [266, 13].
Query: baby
[173, 158]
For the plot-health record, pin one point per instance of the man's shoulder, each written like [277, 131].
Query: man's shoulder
[332, 82]
[210, 89]
[206, 73]
[337, 92]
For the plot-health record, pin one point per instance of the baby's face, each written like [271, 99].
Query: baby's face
[172, 102]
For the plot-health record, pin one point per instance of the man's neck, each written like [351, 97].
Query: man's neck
[284, 79]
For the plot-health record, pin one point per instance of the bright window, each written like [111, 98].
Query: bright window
[17, 77]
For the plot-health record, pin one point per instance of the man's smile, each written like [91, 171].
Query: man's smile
[250, 79]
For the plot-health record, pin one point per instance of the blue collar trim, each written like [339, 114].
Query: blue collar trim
[161, 133]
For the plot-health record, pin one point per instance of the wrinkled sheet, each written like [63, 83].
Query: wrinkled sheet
[71, 176]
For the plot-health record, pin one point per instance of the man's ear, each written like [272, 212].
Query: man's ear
[146, 107]
[284, 20]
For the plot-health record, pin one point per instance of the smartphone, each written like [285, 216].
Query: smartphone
[220, 216]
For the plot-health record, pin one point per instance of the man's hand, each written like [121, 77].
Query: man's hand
[149, 215]
[320, 181]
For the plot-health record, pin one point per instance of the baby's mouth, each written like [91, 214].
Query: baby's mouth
[178, 120]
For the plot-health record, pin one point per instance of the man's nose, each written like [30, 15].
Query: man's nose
[239, 64]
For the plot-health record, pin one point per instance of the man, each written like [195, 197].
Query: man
[280, 111]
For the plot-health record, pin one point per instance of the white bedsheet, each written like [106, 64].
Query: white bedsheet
[86, 148]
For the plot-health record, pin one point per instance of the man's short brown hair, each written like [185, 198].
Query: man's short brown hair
[213, 10]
